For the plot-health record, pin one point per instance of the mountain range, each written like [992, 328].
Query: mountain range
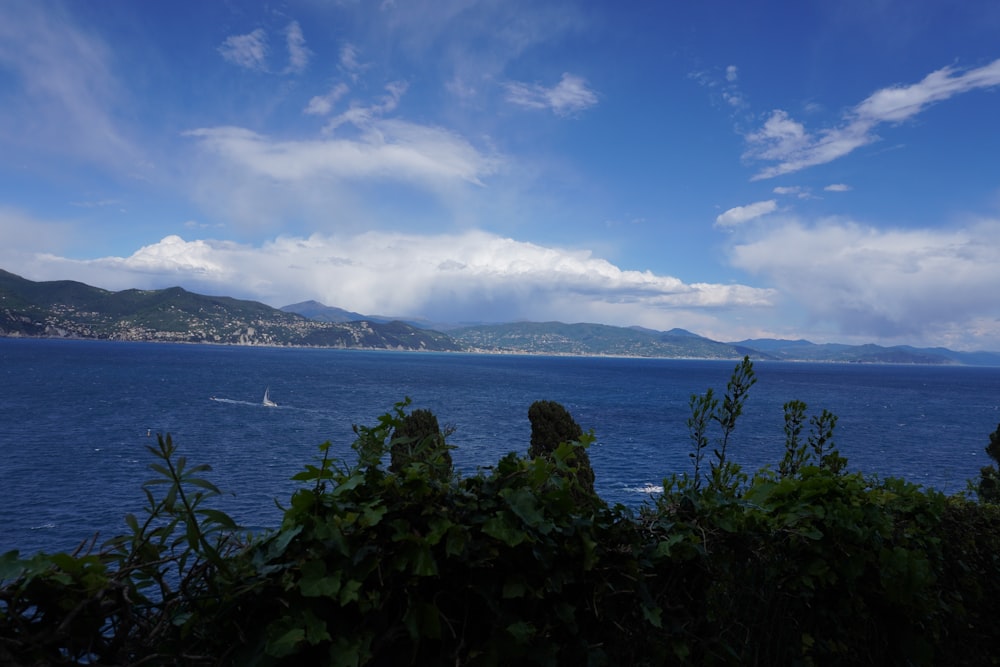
[69, 309]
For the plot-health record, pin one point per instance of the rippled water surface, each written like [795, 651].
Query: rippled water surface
[75, 418]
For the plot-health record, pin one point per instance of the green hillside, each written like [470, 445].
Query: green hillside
[590, 339]
[66, 309]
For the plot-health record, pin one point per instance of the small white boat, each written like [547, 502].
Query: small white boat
[267, 402]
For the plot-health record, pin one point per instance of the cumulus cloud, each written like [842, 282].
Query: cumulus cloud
[249, 51]
[837, 187]
[570, 96]
[740, 214]
[786, 142]
[918, 283]
[452, 277]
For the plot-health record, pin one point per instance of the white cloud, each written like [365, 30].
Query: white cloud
[898, 103]
[387, 150]
[725, 86]
[474, 275]
[363, 116]
[837, 187]
[740, 214]
[249, 51]
[478, 40]
[793, 191]
[363, 169]
[298, 54]
[733, 99]
[570, 96]
[938, 285]
[349, 63]
[321, 105]
[786, 142]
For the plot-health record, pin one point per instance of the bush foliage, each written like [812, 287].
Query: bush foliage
[522, 563]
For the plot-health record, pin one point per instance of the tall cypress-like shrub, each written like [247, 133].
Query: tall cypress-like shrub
[418, 437]
[551, 426]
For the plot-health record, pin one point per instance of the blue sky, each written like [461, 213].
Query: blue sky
[781, 169]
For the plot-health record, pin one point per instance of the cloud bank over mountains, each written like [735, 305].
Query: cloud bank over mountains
[483, 276]
[894, 284]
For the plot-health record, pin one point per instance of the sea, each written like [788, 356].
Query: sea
[77, 417]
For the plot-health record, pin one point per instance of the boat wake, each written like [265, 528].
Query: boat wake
[646, 488]
[231, 401]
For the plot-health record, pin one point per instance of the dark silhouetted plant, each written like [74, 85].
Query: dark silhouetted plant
[551, 426]
[989, 476]
[418, 437]
[819, 446]
[723, 474]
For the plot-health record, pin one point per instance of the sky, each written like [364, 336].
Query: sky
[819, 170]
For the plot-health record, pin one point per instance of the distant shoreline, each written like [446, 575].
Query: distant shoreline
[497, 352]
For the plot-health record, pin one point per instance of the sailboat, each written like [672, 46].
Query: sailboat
[267, 399]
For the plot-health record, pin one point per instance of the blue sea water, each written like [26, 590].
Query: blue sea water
[76, 417]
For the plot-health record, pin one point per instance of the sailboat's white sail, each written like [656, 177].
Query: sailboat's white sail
[267, 399]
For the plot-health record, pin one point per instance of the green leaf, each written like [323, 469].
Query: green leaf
[371, 515]
[162, 470]
[514, 587]
[219, 518]
[315, 628]
[653, 615]
[439, 527]
[311, 472]
[456, 542]
[664, 548]
[11, 566]
[349, 591]
[316, 582]
[524, 504]
[423, 620]
[276, 546]
[499, 528]
[204, 484]
[522, 631]
[285, 644]
[423, 562]
[347, 653]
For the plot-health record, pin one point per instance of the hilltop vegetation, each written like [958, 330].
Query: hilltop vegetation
[521, 563]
